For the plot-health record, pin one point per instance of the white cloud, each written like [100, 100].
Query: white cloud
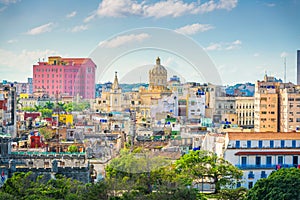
[6, 2]
[164, 8]
[41, 29]
[213, 47]
[11, 62]
[72, 14]
[224, 46]
[284, 54]
[256, 54]
[171, 8]
[124, 39]
[79, 28]
[194, 28]
[12, 41]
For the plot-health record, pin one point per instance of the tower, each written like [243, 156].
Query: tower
[115, 95]
[158, 76]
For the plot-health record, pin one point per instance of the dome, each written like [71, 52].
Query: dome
[158, 68]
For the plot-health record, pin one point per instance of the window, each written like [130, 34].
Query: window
[260, 144]
[237, 144]
[295, 160]
[263, 174]
[248, 144]
[280, 160]
[271, 143]
[250, 175]
[244, 160]
[294, 143]
[250, 185]
[257, 160]
[282, 143]
[269, 160]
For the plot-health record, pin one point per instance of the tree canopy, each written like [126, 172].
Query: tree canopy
[197, 165]
[280, 185]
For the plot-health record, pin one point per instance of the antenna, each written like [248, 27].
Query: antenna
[284, 69]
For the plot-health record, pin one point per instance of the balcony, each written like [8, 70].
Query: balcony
[243, 167]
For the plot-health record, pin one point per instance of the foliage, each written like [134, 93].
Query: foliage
[196, 165]
[280, 185]
[28, 109]
[231, 194]
[49, 105]
[46, 112]
[28, 186]
[72, 148]
[46, 133]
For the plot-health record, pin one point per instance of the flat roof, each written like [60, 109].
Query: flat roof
[240, 153]
[264, 135]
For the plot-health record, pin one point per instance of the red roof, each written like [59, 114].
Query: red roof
[240, 153]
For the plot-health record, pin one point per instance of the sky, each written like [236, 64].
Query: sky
[218, 41]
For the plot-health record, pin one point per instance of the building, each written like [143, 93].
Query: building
[158, 76]
[24, 88]
[298, 67]
[71, 76]
[290, 109]
[258, 154]
[8, 110]
[266, 105]
[245, 111]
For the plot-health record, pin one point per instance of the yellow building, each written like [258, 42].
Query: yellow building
[65, 118]
[24, 96]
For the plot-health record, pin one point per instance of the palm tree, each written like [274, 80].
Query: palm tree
[49, 105]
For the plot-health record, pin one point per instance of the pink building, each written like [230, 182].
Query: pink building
[70, 76]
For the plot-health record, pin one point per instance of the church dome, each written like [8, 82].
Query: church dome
[158, 69]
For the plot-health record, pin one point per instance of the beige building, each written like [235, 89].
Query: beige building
[245, 111]
[290, 109]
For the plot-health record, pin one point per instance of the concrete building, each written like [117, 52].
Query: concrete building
[258, 154]
[290, 109]
[24, 88]
[266, 105]
[298, 67]
[8, 102]
[158, 76]
[71, 76]
[245, 111]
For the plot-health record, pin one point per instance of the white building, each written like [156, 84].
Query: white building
[258, 154]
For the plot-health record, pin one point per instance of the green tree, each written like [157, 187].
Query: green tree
[49, 105]
[46, 133]
[38, 108]
[72, 148]
[280, 185]
[46, 112]
[198, 165]
[68, 107]
[28, 109]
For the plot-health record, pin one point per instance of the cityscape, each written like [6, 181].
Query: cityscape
[149, 113]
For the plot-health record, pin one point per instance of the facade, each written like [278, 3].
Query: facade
[298, 67]
[258, 154]
[290, 109]
[245, 111]
[8, 110]
[266, 105]
[158, 76]
[71, 76]
[24, 88]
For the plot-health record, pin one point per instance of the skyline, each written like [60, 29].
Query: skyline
[236, 36]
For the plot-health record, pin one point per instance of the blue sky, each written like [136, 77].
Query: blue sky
[243, 39]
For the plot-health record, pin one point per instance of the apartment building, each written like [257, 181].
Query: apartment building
[71, 76]
[258, 154]
[245, 111]
[290, 109]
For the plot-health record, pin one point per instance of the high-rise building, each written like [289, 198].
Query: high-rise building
[298, 67]
[71, 76]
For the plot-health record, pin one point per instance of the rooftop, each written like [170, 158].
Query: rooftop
[264, 136]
